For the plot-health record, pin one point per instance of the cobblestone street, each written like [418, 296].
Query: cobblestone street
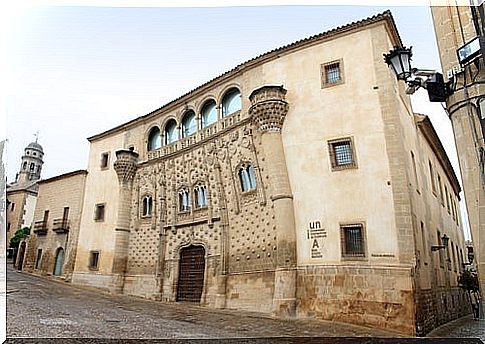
[38, 307]
[464, 327]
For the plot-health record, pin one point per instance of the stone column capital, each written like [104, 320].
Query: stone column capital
[125, 165]
[268, 108]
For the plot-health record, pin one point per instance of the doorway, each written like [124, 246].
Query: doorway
[59, 262]
[191, 274]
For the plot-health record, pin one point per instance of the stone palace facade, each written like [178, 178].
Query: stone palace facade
[300, 183]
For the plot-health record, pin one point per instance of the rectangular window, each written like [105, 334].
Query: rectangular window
[99, 212]
[415, 172]
[93, 260]
[441, 190]
[46, 217]
[453, 255]
[424, 242]
[65, 215]
[431, 173]
[332, 73]
[12, 207]
[37, 260]
[8, 227]
[352, 241]
[104, 160]
[342, 155]
[447, 195]
[442, 259]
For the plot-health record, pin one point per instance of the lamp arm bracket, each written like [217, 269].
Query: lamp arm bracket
[424, 72]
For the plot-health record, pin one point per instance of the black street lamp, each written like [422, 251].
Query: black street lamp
[399, 59]
[444, 243]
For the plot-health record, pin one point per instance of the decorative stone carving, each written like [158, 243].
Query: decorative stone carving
[125, 165]
[268, 108]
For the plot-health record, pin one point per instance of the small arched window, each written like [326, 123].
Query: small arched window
[32, 167]
[154, 139]
[171, 132]
[247, 178]
[147, 206]
[200, 196]
[209, 113]
[184, 200]
[231, 102]
[189, 125]
[25, 165]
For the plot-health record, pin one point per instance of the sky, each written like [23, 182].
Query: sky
[73, 72]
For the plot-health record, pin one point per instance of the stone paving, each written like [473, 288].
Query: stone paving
[464, 327]
[43, 308]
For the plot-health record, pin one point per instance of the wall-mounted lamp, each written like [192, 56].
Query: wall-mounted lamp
[399, 59]
[444, 243]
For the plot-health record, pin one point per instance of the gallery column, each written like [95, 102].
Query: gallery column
[268, 111]
[125, 167]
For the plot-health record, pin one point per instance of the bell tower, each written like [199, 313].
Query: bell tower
[31, 165]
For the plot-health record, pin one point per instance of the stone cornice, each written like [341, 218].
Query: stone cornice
[62, 176]
[385, 17]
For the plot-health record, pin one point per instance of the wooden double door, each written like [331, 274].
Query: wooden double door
[191, 274]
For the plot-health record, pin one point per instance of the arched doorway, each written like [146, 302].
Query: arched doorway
[20, 255]
[191, 274]
[59, 262]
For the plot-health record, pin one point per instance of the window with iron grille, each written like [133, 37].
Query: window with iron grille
[93, 260]
[342, 154]
[332, 73]
[352, 241]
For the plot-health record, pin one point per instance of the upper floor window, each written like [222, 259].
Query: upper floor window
[441, 190]
[209, 113]
[231, 102]
[184, 200]
[342, 154]
[332, 73]
[200, 195]
[170, 132]
[104, 160]
[32, 166]
[189, 125]
[147, 206]
[431, 173]
[154, 139]
[24, 167]
[247, 178]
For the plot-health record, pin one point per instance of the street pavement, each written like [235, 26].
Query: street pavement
[460, 328]
[46, 308]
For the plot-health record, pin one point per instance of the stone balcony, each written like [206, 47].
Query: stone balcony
[61, 225]
[40, 227]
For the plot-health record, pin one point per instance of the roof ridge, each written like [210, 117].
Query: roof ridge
[376, 17]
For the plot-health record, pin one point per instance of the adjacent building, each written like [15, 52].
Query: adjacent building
[22, 194]
[456, 26]
[294, 184]
[52, 246]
